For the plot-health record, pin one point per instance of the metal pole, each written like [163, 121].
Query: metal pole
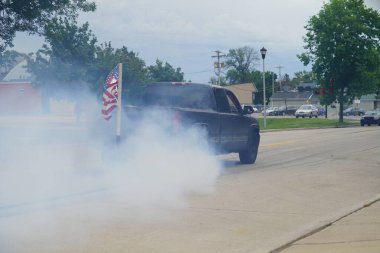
[119, 104]
[264, 100]
[218, 71]
[272, 87]
[279, 75]
[218, 56]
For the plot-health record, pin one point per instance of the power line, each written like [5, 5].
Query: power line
[197, 72]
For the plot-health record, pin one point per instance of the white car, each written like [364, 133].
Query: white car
[370, 117]
[270, 111]
[307, 111]
[254, 108]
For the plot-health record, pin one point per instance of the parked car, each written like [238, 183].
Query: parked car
[353, 111]
[321, 111]
[370, 117]
[253, 107]
[270, 111]
[259, 107]
[286, 110]
[307, 111]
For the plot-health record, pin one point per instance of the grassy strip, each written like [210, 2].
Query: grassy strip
[286, 123]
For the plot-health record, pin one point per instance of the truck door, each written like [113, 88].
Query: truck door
[233, 134]
[240, 123]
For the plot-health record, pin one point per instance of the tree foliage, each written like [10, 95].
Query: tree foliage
[71, 61]
[134, 72]
[33, 15]
[161, 72]
[240, 63]
[302, 76]
[257, 79]
[222, 81]
[342, 44]
[64, 63]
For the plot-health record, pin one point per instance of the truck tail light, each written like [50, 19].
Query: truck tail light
[177, 122]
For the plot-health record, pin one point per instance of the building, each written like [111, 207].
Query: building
[368, 102]
[245, 92]
[294, 98]
[17, 95]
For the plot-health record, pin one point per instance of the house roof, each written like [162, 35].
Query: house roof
[294, 95]
[18, 73]
[249, 87]
[368, 97]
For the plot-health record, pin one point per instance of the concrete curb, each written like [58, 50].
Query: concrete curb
[305, 128]
[318, 226]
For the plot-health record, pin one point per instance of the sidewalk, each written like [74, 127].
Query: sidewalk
[358, 232]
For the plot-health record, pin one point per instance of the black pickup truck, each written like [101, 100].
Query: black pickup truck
[216, 110]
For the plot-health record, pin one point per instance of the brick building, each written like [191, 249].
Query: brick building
[17, 95]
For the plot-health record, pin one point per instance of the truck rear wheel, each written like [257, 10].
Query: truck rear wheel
[249, 155]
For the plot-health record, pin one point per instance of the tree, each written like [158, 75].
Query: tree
[214, 80]
[286, 83]
[134, 72]
[61, 67]
[63, 63]
[342, 43]
[165, 73]
[302, 76]
[33, 15]
[240, 63]
[257, 79]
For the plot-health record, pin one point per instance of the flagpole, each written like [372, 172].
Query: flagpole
[119, 104]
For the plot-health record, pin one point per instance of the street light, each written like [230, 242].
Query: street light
[263, 52]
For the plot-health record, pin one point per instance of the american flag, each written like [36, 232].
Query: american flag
[110, 93]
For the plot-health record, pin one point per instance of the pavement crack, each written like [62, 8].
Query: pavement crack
[337, 242]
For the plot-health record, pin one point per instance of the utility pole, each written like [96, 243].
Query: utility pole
[279, 75]
[272, 87]
[263, 52]
[218, 65]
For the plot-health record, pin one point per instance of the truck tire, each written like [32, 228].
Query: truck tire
[249, 155]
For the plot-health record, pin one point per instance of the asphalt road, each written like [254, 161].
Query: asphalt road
[301, 180]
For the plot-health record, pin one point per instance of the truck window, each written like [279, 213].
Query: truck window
[233, 102]
[184, 96]
[222, 103]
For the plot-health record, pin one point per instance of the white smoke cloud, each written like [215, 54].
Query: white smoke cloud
[46, 167]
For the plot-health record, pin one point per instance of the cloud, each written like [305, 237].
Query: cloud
[182, 32]
[185, 33]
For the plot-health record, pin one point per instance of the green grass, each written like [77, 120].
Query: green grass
[287, 123]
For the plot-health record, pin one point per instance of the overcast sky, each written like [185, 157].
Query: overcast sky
[186, 32]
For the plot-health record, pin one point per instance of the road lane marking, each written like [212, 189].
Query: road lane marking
[274, 144]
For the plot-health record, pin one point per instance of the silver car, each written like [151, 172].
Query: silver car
[307, 111]
[270, 111]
